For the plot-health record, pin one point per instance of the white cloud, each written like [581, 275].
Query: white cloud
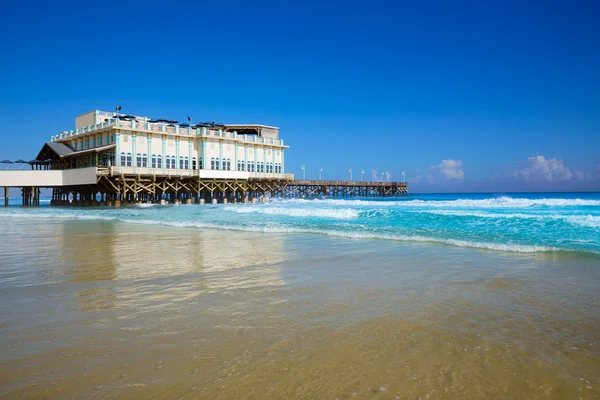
[374, 175]
[579, 175]
[447, 170]
[452, 169]
[539, 168]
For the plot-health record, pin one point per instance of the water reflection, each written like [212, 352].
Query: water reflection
[189, 260]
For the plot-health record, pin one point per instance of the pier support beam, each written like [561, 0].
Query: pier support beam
[5, 196]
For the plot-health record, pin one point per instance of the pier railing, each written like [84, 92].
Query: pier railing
[348, 183]
[200, 173]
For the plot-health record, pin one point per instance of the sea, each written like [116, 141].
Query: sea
[470, 296]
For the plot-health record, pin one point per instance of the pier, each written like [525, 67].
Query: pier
[116, 186]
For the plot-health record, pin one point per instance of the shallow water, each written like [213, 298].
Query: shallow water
[103, 307]
[524, 223]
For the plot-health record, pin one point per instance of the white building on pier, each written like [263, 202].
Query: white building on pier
[141, 145]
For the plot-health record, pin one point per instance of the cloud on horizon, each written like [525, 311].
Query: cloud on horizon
[446, 171]
[540, 168]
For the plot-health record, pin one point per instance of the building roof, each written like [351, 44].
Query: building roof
[251, 126]
[56, 149]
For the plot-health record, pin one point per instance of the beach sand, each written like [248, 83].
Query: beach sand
[95, 309]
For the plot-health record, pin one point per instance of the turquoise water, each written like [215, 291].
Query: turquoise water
[523, 223]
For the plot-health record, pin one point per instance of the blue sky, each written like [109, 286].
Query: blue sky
[462, 95]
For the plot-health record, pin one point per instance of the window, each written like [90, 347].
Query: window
[159, 161]
[201, 166]
[186, 164]
[228, 164]
[181, 163]
[87, 143]
[94, 142]
[128, 159]
[153, 160]
[212, 163]
[123, 159]
[138, 160]
[144, 160]
[193, 162]
[100, 140]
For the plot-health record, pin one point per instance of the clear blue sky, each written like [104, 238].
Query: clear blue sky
[507, 92]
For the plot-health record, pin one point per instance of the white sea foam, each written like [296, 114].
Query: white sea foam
[590, 221]
[510, 247]
[334, 213]
[497, 202]
[146, 205]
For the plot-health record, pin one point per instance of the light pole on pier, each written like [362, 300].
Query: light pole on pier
[382, 177]
[387, 177]
[403, 177]
[350, 170]
[117, 109]
[320, 172]
[362, 171]
[303, 172]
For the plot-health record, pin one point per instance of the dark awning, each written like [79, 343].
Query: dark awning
[54, 149]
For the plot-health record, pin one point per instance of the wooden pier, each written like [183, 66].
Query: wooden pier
[114, 188]
[309, 188]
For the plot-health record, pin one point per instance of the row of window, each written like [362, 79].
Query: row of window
[224, 164]
[184, 163]
[259, 167]
[90, 143]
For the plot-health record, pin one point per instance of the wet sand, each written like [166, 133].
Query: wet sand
[95, 309]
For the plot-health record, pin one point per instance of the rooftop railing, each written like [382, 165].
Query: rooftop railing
[168, 129]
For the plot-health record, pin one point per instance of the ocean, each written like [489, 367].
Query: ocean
[425, 296]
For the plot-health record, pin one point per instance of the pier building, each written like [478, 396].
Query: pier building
[114, 158]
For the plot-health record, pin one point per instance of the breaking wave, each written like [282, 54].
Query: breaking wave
[333, 213]
[588, 220]
[497, 202]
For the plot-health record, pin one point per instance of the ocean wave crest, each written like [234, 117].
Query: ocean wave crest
[337, 213]
[589, 221]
